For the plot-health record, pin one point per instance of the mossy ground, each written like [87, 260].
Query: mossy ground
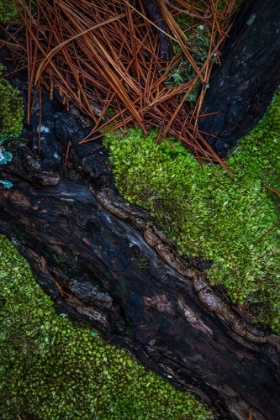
[57, 370]
[208, 214]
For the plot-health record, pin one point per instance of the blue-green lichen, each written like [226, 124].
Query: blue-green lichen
[208, 214]
[5, 156]
[53, 369]
[6, 184]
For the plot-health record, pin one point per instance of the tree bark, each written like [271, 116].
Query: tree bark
[107, 262]
[241, 88]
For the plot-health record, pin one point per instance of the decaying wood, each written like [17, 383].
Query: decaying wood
[241, 88]
[164, 43]
[107, 262]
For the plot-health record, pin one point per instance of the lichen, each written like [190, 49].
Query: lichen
[52, 368]
[6, 184]
[5, 156]
[208, 214]
[251, 19]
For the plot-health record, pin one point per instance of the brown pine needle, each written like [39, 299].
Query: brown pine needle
[250, 414]
[49, 56]
[271, 188]
[109, 57]
[269, 230]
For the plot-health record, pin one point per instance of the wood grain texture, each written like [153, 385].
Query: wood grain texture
[106, 262]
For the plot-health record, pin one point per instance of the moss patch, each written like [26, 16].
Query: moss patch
[7, 11]
[11, 110]
[208, 214]
[56, 370]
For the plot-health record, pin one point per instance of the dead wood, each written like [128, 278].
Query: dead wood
[108, 263]
[241, 89]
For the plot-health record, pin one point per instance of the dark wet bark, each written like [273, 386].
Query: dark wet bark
[243, 86]
[154, 14]
[106, 262]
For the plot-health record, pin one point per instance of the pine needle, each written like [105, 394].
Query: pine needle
[106, 52]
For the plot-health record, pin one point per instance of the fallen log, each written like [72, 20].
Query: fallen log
[108, 263]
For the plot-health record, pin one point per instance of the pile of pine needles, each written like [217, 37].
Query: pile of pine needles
[106, 53]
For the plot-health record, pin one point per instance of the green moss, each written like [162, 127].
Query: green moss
[208, 214]
[7, 11]
[53, 369]
[11, 110]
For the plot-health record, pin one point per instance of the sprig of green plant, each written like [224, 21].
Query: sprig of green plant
[183, 71]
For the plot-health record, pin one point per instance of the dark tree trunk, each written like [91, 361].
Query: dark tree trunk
[106, 262]
[242, 87]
